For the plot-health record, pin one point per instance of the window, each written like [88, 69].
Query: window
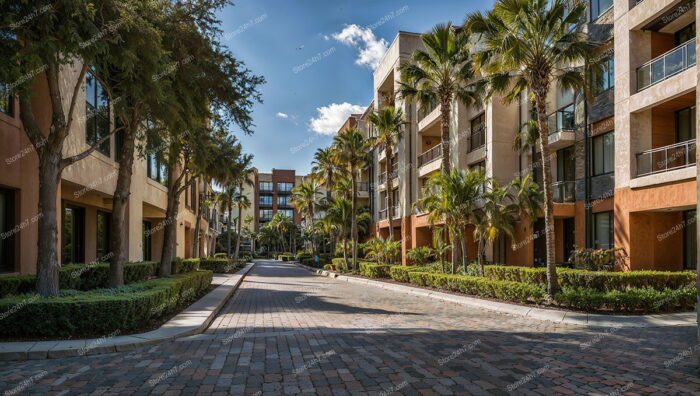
[685, 34]
[283, 200]
[96, 113]
[566, 164]
[603, 230]
[287, 212]
[686, 124]
[187, 195]
[599, 6]
[480, 167]
[193, 194]
[73, 235]
[603, 154]
[103, 223]
[7, 236]
[266, 200]
[284, 187]
[156, 170]
[265, 186]
[265, 214]
[7, 103]
[146, 240]
[478, 134]
[604, 79]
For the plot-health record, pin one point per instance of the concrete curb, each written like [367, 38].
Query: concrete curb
[551, 315]
[193, 320]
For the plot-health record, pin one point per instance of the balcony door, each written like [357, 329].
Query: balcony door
[566, 164]
[685, 124]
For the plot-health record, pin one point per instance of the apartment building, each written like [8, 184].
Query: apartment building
[623, 162]
[86, 188]
[271, 194]
[364, 183]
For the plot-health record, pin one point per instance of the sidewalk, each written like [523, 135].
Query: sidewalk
[193, 320]
[552, 315]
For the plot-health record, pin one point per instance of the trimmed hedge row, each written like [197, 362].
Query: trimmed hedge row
[285, 257]
[80, 277]
[374, 270]
[645, 299]
[99, 312]
[400, 273]
[180, 266]
[218, 266]
[596, 280]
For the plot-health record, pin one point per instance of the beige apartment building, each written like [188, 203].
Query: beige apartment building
[86, 188]
[623, 163]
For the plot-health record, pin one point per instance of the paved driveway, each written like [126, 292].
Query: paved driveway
[287, 331]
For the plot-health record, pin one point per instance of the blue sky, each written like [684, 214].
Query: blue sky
[318, 57]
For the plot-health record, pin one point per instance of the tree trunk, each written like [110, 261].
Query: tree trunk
[47, 241]
[697, 160]
[228, 232]
[119, 228]
[170, 231]
[198, 220]
[353, 229]
[238, 236]
[390, 190]
[464, 251]
[445, 135]
[345, 252]
[479, 255]
[455, 247]
[540, 105]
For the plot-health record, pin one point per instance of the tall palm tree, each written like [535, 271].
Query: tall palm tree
[225, 200]
[241, 201]
[388, 123]
[325, 166]
[305, 198]
[495, 216]
[340, 217]
[531, 44]
[353, 154]
[439, 74]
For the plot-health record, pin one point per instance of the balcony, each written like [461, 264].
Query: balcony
[562, 127]
[667, 65]
[382, 178]
[383, 214]
[564, 191]
[424, 112]
[430, 155]
[363, 189]
[665, 159]
[477, 139]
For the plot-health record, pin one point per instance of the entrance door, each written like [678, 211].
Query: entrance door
[540, 243]
[569, 237]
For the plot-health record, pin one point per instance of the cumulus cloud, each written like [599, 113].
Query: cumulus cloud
[330, 118]
[282, 115]
[371, 49]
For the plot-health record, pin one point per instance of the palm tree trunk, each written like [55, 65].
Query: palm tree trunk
[238, 235]
[228, 233]
[479, 255]
[540, 105]
[353, 177]
[455, 246]
[445, 135]
[464, 251]
[120, 199]
[389, 194]
[345, 252]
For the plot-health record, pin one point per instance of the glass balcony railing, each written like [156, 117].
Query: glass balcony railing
[666, 65]
[477, 138]
[564, 191]
[430, 155]
[667, 158]
[563, 120]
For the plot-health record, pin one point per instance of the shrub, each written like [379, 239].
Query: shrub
[285, 257]
[339, 264]
[598, 259]
[180, 266]
[79, 277]
[302, 254]
[400, 273]
[220, 255]
[329, 267]
[218, 266]
[420, 255]
[645, 299]
[373, 270]
[100, 312]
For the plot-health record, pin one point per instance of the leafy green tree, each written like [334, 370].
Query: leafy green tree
[388, 122]
[353, 155]
[440, 73]
[325, 166]
[494, 217]
[529, 45]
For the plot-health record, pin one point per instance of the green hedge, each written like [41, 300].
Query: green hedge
[220, 255]
[596, 280]
[285, 257]
[100, 312]
[79, 277]
[645, 299]
[374, 270]
[180, 266]
[218, 266]
[400, 273]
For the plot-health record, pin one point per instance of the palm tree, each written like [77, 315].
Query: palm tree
[531, 44]
[439, 74]
[225, 200]
[527, 197]
[353, 154]
[388, 123]
[340, 215]
[325, 166]
[305, 198]
[495, 216]
[241, 202]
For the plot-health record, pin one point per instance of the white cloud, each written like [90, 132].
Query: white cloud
[282, 115]
[371, 49]
[330, 118]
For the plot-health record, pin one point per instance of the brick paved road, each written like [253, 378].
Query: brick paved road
[287, 331]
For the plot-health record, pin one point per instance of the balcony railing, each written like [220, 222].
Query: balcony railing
[562, 120]
[667, 158]
[477, 138]
[382, 178]
[430, 155]
[666, 65]
[564, 191]
[363, 186]
[383, 213]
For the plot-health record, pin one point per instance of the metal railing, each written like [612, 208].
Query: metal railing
[564, 191]
[363, 186]
[382, 178]
[667, 158]
[666, 65]
[562, 120]
[430, 155]
[383, 214]
[477, 138]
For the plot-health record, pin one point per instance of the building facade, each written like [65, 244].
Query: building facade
[623, 161]
[271, 193]
[86, 188]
